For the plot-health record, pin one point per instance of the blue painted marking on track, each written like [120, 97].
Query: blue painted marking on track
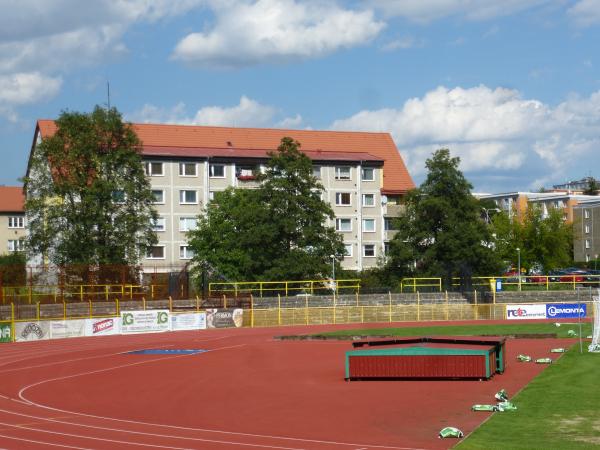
[163, 351]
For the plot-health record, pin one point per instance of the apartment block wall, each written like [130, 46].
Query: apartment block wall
[354, 196]
[12, 231]
[586, 227]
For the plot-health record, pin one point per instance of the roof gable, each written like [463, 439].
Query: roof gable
[379, 146]
[12, 199]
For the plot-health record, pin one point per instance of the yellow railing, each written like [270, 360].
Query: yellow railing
[271, 288]
[82, 292]
[524, 283]
[413, 284]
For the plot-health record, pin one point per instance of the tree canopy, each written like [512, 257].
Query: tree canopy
[88, 200]
[277, 231]
[543, 242]
[442, 231]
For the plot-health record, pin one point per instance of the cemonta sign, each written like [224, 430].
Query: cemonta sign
[566, 310]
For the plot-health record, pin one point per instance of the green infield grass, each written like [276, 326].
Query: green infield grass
[472, 330]
[559, 409]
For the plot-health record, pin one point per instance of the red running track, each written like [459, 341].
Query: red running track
[248, 391]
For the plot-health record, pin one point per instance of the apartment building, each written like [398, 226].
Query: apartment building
[12, 219]
[515, 203]
[363, 175]
[586, 230]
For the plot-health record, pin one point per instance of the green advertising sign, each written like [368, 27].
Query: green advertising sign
[5, 332]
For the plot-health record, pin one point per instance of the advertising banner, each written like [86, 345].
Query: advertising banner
[5, 332]
[102, 327]
[520, 312]
[188, 321]
[32, 331]
[566, 310]
[151, 321]
[60, 329]
[224, 317]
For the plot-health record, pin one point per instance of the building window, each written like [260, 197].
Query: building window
[343, 224]
[16, 245]
[348, 250]
[587, 229]
[587, 258]
[156, 252]
[368, 199]
[154, 169]
[587, 243]
[188, 197]
[245, 173]
[386, 248]
[211, 196]
[159, 224]
[586, 213]
[317, 172]
[342, 198]
[187, 223]
[188, 170]
[217, 171]
[159, 196]
[368, 225]
[342, 173]
[16, 222]
[185, 252]
[118, 196]
[367, 174]
[369, 250]
[389, 224]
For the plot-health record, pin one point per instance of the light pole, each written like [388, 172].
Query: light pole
[487, 213]
[519, 265]
[333, 271]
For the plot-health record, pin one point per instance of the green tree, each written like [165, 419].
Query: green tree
[13, 271]
[443, 232]
[275, 232]
[592, 187]
[544, 242]
[88, 200]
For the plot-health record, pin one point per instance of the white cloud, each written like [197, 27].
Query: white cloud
[248, 113]
[40, 40]
[585, 13]
[25, 88]
[425, 11]
[274, 31]
[402, 43]
[494, 131]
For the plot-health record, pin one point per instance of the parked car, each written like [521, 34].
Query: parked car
[568, 275]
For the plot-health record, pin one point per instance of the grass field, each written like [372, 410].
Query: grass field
[472, 330]
[559, 409]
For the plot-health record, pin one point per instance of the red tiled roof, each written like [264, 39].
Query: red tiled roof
[200, 152]
[12, 199]
[188, 138]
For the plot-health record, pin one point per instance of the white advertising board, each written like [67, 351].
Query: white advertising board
[150, 321]
[521, 312]
[60, 329]
[32, 331]
[188, 321]
[102, 327]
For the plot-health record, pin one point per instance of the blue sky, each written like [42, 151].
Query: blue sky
[512, 86]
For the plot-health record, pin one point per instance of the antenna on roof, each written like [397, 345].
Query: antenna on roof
[108, 94]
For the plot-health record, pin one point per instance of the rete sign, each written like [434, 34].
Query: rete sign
[521, 312]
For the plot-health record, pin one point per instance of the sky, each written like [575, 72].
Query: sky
[511, 87]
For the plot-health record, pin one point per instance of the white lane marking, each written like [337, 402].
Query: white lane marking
[140, 444]
[44, 443]
[168, 436]
[32, 403]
